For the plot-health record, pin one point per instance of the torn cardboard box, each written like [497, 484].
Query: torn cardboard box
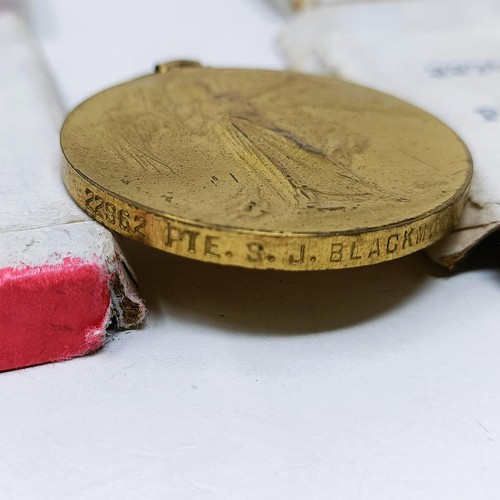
[63, 278]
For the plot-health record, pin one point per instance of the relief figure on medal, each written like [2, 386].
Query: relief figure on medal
[274, 163]
[136, 139]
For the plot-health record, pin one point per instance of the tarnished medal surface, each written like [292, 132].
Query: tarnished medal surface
[264, 169]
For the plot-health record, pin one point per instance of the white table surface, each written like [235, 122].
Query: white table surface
[375, 383]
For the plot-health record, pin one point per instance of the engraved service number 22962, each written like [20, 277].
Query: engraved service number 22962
[108, 212]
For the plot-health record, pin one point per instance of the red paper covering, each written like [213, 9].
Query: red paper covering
[52, 312]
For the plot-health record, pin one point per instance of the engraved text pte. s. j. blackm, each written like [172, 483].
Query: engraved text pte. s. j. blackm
[262, 251]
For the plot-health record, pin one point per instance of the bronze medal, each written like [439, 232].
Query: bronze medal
[264, 169]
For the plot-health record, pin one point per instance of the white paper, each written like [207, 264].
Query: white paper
[443, 56]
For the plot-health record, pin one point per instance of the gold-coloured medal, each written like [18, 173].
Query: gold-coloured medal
[264, 169]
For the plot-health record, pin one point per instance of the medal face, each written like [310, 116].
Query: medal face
[265, 169]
